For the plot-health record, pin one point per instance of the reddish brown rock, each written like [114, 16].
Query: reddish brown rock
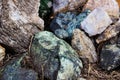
[110, 32]
[110, 6]
[83, 46]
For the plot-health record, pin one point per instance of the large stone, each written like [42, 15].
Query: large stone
[19, 21]
[2, 54]
[53, 58]
[13, 71]
[110, 6]
[67, 5]
[64, 23]
[84, 46]
[110, 32]
[110, 57]
[96, 22]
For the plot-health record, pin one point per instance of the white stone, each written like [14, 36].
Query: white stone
[96, 22]
[2, 53]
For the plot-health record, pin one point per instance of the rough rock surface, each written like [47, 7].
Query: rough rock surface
[53, 58]
[45, 8]
[84, 46]
[66, 5]
[13, 71]
[110, 6]
[110, 32]
[64, 23]
[19, 20]
[96, 22]
[2, 54]
[110, 57]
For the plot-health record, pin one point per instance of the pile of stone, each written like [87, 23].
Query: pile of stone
[52, 58]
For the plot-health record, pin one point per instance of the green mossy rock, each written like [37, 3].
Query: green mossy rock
[54, 58]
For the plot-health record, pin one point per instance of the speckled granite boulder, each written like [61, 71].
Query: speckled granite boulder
[110, 56]
[84, 46]
[45, 8]
[54, 57]
[13, 71]
[67, 22]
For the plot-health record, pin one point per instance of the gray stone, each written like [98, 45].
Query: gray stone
[67, 5]
[13, 71]
[110, 57]
[54, 58]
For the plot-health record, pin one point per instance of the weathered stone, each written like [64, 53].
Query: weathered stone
[13, 71]
[2, 54]
[110, 6]
[66, 23]
[96, 22]
[84, 46]
[67, 5]
[118, 2]
[110, 32]
[110, 57]
[54, 57]
[19, 21]
[45, 8]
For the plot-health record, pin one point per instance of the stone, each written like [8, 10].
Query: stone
[13, 71]
[64, 23]
[67, 5]
[118, 2]
[19, 21]
[45, 8]
[84, 46]
[54, 58]
[94, 24]
[2, 54]
[110, 32]
[110, 6]
[110, 57]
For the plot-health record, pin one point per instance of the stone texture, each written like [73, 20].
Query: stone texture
[110, 57]
[2, 54]
[13, 71]
[67, 5]
[19, 20]
[96, 22]
[64, 23]
[84, 46]
[53, 58]
[45, 8]
[110, 6]
[110, 32]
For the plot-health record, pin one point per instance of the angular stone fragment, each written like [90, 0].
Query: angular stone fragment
[54, 57]
[96, 22]
[19, 21]
[2, 54]
[110, 32]
[110, 6]
[64, 23]
[66, 5]
[84, 46]
[13, 71]
[110, 57]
